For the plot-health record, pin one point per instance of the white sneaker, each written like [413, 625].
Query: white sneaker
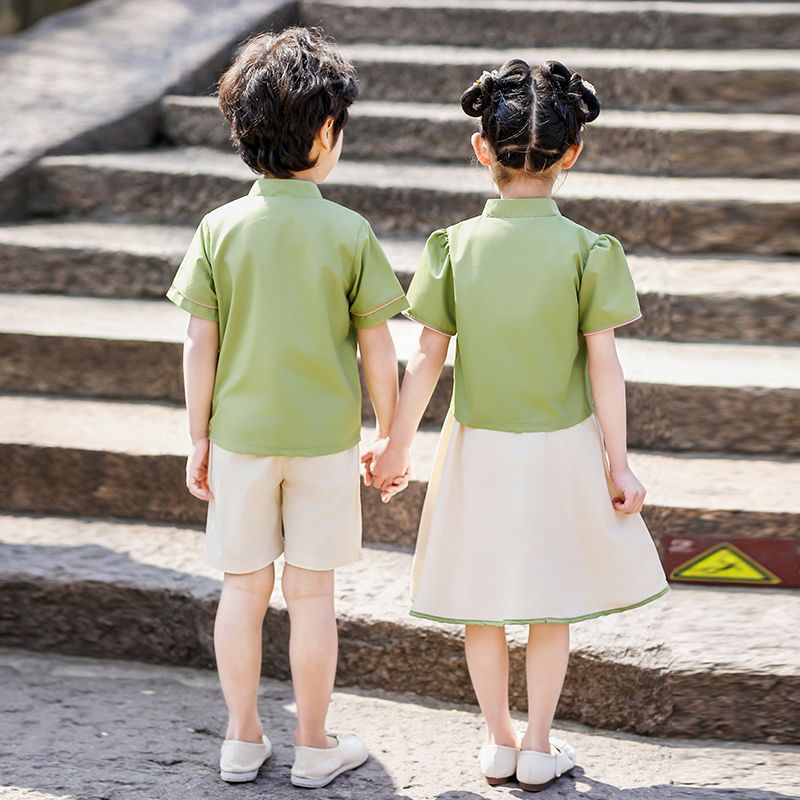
[536, 771]
[240, 761]
[498, 763]
[315, 767]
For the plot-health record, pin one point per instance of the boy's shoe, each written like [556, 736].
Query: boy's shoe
[536, 771]
[315, 767]
[240, 761]
[498, 763]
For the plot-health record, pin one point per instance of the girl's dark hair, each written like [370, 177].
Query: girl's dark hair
[530, 116]
[279, 91]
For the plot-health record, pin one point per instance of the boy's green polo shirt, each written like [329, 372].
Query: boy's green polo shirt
[289, 276]
[520, 286]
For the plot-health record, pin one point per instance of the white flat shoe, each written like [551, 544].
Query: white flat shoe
[315, 767]
[498, 763]
[536, 771]
[240, 761]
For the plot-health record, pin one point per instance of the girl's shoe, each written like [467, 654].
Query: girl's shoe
[240, 761]
[536, 771]
[315, 767]
[498, 763]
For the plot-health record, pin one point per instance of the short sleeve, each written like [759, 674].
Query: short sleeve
[193, 287]
[432, 293]
[376, 294]
[607, 295]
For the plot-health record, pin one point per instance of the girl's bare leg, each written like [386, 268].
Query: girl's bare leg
[487, 660]
[237, 644]
[546, 665]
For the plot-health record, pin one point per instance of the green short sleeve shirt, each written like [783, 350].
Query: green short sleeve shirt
[288, 276]
[520, 286]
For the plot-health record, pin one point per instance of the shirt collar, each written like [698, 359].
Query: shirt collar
[285, 187]
[521, 207]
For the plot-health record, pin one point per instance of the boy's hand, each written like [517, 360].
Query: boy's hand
[631, 489]
[397, 485]
[197, 471]
[386, 468]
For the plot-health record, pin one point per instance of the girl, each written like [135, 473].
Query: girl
[532, 514]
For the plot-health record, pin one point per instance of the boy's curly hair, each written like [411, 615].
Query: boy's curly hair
[279, 91]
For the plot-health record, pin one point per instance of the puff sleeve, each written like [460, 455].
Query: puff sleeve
[193, 287]
[432, 291]
[376, 294]
[607, 295]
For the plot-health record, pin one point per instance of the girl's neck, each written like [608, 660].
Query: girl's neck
[527, 187]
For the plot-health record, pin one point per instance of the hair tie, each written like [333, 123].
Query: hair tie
[484, 75]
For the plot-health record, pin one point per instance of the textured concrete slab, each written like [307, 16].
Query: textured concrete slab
[162, 727]
[129, 52]
[697, 80]
[696, 662]
[682, 395]
[676, 215]
[642, 142]
[128, 459]
[550, 23]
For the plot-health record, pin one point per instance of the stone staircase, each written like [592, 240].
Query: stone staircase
[694, 165]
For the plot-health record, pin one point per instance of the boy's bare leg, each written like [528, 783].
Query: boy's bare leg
[313, 647]
[546, 665]
[237, 644]
[487, 658]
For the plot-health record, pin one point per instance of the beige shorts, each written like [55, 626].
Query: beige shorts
[306, 507]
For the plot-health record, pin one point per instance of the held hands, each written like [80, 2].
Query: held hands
[386, 467]
[197, 471]
[631, 490]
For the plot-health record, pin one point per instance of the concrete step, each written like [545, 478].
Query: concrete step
[682, 298]
[179, 711]
[749, 80]
[696, 662]
[566, 23]
[677, 215]
[122, 459]
[682, 396]
[642, 142]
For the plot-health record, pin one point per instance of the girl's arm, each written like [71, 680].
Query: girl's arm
[379, 362]
[608, 390]
[200, 352]
[390, 458]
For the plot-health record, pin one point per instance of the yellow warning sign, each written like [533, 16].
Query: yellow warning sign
[725, 563]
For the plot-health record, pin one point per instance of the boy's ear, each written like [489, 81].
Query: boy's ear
[571, 155]
[482, 150]
[326, 135]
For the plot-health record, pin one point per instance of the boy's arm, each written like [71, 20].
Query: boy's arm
[200, 353]
[608, 390]
[421, 376]
[379, 362]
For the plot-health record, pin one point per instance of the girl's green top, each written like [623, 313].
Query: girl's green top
[520, 286]
[289, 276]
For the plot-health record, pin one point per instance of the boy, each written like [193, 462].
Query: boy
[281, 284]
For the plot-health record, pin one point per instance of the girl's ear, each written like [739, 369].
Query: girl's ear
[571, 155]
[482, 150]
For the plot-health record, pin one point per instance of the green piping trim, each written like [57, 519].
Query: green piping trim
[541, 619]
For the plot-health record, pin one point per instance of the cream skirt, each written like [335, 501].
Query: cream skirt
[519, 528]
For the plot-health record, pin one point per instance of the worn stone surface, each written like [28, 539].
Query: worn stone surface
[678, 215]
[18, 14]
[129, 52]
[552, 24]
[653, 80]
[127, 460]
[648, 143]
[122, 590]
[144, 731]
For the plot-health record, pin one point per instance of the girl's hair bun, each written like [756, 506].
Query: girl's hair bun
[571, 90]
[488, 91]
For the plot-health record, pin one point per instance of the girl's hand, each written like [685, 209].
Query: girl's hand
[385, 462]
[197, 471]
[631, 489]
[397, 485]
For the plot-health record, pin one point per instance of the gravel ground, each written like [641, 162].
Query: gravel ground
[84, 728]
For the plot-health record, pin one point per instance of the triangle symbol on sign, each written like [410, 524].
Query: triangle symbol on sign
[725, 563]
